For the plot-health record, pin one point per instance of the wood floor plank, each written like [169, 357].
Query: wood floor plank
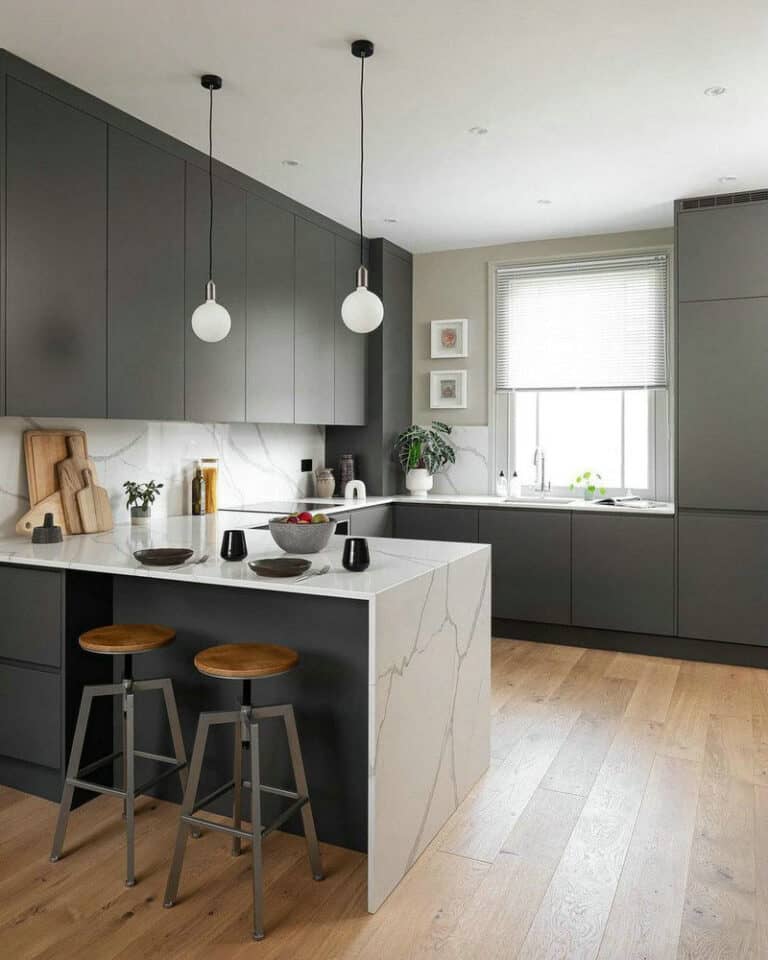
[687, 722]
[731, 688]
[570, 922]
[719, 917]
[761, 870]
[647, 909]
[653, 692]
[760, 730]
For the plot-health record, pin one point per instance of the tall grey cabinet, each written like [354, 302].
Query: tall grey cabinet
[349, 349]
[722, 419]
[315, 302]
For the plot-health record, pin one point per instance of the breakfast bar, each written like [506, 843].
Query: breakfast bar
[391, 693]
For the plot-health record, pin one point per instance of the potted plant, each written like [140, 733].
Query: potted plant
[588, 482]
[139, 499]
[422, 452]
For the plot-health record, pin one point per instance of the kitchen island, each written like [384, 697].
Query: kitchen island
[391, 695]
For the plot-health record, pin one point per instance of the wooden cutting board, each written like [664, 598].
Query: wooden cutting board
[93, 506]
[43, 449]
[34, 517]
[70, 474]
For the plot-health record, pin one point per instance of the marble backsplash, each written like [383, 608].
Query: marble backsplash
[470, 473]
[256, 461]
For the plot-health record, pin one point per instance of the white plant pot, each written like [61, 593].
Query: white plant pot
[418, 482]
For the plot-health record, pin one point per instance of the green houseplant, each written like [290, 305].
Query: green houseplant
[588, 481]
[422, 452]
[139, 499]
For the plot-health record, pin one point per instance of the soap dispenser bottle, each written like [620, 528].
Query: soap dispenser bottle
[501, 485]
[515, 486]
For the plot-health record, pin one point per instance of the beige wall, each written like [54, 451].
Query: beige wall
[454, 284]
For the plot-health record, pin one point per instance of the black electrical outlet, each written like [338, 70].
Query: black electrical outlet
[306, 466]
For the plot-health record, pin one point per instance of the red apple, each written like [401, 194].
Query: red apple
[293, 519]
[305, 517]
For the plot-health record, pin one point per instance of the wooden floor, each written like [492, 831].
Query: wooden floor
[624, 817]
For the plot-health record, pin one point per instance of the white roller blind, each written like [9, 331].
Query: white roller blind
[599, 323]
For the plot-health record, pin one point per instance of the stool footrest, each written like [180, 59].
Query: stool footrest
[294, 807]
[160, 776]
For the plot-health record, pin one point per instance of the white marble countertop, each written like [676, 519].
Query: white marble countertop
[338, 505]
[393, 562]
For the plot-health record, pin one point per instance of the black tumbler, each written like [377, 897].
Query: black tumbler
[233, 545]
[356, 556]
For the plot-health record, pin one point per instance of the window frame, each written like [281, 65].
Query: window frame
[501, 403]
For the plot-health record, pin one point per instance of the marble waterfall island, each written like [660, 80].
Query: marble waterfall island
[391, 694]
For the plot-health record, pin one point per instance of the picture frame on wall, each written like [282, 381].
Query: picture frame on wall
[449, 338]
[448, 389]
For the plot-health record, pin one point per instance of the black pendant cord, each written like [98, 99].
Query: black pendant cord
[210, 185]
[362, 150]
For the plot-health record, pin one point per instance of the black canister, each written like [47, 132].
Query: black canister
[233, 545]
[356, 555]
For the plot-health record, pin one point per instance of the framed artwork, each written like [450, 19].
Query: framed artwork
[448, 388]
[449, 338]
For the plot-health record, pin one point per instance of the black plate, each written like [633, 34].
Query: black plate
[163, 556]
[280, 566]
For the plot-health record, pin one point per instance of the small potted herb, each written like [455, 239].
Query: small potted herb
[422, 452]
[589, 482]
[139, 499]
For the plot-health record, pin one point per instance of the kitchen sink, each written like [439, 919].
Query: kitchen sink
[544, 500]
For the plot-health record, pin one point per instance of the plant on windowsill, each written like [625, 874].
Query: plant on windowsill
[422, 452]
[587, 482]
[139, 500]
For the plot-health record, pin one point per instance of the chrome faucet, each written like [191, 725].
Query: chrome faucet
[539, 461]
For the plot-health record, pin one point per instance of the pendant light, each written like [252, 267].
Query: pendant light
[210, 321]
[362, 311]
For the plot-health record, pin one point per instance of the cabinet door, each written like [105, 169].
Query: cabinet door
[30, 715]
[269, 357]
[371, 522]
[623, 573]
[315, 299]
[56, 256]
[350, 350]
[721, 253]
[145, 280]
[531, 563]
[30, 625]
[215, 372]
[454, 524]
[723, 404]
[722, 564]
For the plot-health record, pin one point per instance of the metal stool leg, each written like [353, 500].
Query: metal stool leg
[175, 726]
[130, 783]
[73, 769]
[258, 884]
[187, 805]
[237, 776]
[301, 787]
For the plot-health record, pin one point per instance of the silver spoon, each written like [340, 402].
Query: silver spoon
[314, 573]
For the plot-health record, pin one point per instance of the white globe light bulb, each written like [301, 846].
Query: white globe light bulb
[362, 311]
[210, 321]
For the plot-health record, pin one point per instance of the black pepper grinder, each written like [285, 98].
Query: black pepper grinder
[48, 533]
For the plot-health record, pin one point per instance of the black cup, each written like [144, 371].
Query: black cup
[233, 546]
[356, 556]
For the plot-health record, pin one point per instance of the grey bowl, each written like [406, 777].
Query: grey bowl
[302, 537]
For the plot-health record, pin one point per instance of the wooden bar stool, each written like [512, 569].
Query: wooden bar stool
[245, 662]
[125, 640]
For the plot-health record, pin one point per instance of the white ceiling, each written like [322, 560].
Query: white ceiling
[597, 106]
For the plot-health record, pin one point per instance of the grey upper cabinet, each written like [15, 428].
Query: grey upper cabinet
[623, 573]
[215, 372]
[145, 281]
[722, 252]
[56, 257]
[349, 349]
[315, 304]
[723, 404]
[270, 342]
[454, 524]
[371, 522]
[722, 591]
[531, 563]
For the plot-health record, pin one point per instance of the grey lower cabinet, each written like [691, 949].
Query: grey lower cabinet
[145, 305]
[270, 343]
[721, 252]
[314, 323]
[722, 570]
[371, 522]
[723, 404]
[349, 349]
[531, 563]
[215, 372]
[623, 573]
[56, 257]
[453, 524]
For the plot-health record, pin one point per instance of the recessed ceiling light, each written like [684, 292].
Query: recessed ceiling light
[544, 202]
[390, 219]
[478, 131]
[716, 91]
[727, 179]
[291, 163]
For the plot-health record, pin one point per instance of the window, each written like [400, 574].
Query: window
[581, 370]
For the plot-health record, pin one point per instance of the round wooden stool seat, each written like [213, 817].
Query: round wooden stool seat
[123, 638]
[245, 661]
